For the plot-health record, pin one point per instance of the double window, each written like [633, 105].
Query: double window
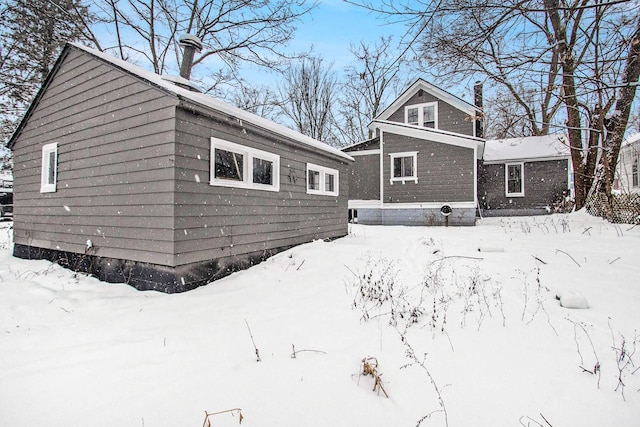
[425, 115]
[404, 167]
[322, 180]
[49, 172]
[234, 165]
[514, 179]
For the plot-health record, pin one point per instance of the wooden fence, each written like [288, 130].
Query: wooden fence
[621, 209]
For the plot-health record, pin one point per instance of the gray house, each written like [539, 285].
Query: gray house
[126, 175]
[524, 176]
[421, 166]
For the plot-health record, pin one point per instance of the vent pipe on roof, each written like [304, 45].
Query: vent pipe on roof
[190, 45]
[477, 100]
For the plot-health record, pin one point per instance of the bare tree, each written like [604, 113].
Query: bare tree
[234, 31]
[564, 63]
[504, 118]
[308, 96]
[595, 84]
[260, 101]
[369, 83]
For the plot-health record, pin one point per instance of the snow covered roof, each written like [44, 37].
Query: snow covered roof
[437, 135]
[546, 147]
[213, 103]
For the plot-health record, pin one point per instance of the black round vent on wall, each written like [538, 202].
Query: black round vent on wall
[446, 210]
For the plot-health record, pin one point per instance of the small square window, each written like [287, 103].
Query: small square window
[429, 116]
[329, 182]
[229, 165]
[314, 180]
[262, 171]
[322, 180]
[412, 116]
[404, 167]
[49, 173]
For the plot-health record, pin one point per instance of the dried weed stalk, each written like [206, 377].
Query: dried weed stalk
[370, 367]
[234, 411]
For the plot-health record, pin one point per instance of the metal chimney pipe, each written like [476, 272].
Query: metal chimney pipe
[477, 100]
[191, 45]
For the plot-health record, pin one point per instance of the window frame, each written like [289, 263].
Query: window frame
[421, 108]
[403, 179]
[323, 171]
[635, 172]
[248, 155]
[506, 180]
[45, 185]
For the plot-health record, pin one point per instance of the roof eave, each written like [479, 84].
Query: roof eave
[434, 90]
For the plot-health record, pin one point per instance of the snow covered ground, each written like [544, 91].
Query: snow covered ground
[475, 335]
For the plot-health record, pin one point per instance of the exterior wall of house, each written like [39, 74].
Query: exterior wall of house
[446, 176]
[115, 183]
[364, 182]
[628, 154]
[544, 183]
[445, 172]
[450, 118]
[214, 222]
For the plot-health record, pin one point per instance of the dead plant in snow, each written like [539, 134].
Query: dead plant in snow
[539, 293]
[422, 364]
[370, 368]
[624, 352]
[580, 326]
[378, 295]
[234, 411]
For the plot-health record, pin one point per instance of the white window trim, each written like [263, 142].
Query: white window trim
[248, 154]
[45, 186]
[506, 180]
[404, 179]
[420, 108]
[323, 171]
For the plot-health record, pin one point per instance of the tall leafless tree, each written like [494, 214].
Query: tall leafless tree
[308, 96]
[369, 82]
[261, 101]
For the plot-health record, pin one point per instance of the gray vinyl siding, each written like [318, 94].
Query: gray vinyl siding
[445, 172]
[450, 118]
[216, 222]
[544, 182]
[115, 183]
[365, 178]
